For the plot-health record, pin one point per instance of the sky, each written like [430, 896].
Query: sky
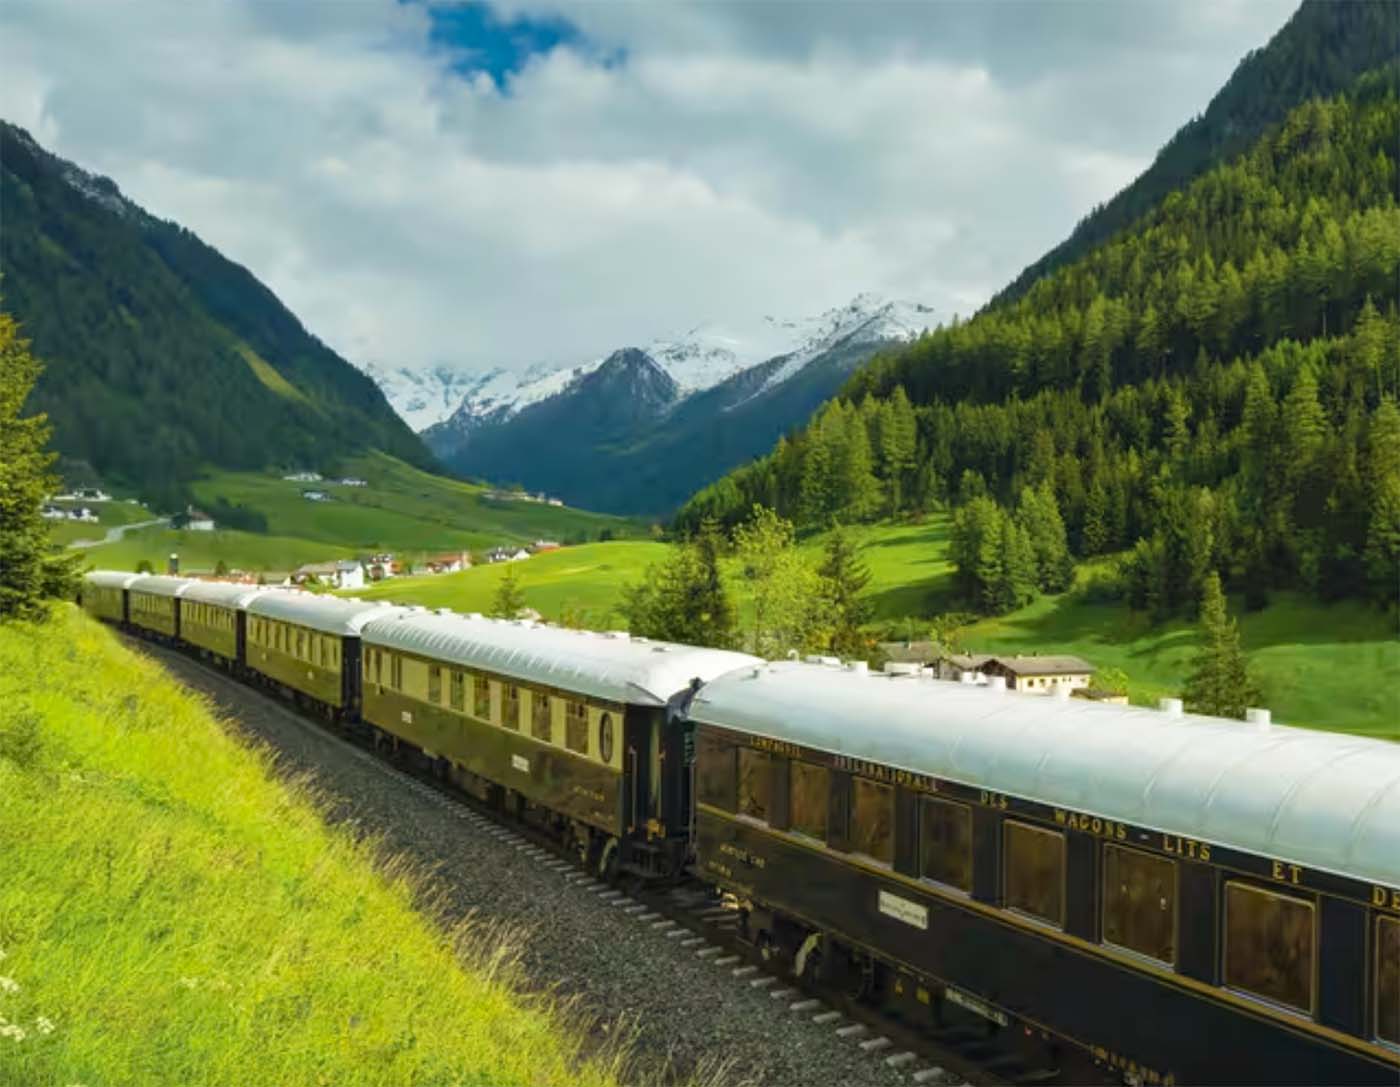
[542, 181]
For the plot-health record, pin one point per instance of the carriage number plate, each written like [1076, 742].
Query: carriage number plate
[521, 763]
[972, 1004]
[901, 909]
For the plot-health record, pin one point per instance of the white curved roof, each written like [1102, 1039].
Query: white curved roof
[223, 593]
[1319, 799]
[621, 669]
[161, 585]
[328, 613]
[111, 579]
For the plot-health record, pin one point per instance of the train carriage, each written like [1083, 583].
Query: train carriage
[212, 618]
[310, 645]
[570, 722]
[1176, 898]
[104, 594]
[153, 603]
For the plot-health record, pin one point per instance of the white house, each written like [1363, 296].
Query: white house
[342, 573]
[352, 481]
[316, 496]
[304, 477]
[507, 554]
[199, 521]
[53, 513]
[451, 563]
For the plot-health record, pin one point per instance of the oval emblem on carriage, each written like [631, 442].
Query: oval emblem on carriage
[605, 738]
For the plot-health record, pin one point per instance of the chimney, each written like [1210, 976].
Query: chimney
[1170, 706]
[1260, 719]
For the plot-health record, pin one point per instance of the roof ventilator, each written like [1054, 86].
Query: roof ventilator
[967, 678]
[996, 683]
[618, 635]
[1170, 706]
[1260, 719]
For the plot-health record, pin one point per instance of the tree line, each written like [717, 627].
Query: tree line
[1213, 390]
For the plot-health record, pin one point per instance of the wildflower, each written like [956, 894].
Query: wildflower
[8, 985]
[44, 1024]
[15, 1031]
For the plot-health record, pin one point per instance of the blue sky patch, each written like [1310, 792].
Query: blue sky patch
[478, 39]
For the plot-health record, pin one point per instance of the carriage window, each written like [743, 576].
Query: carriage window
[1139, 902]
[434, 683]
[396, 672]
[714, 771]
[301, 645]
[1388, 979]
[945, 842]
[541, 719]
[576, 727]
[1269, 945]
[379, 667]
[809, 796]
[605, 737]
[510, 707]
[457, 692]
[755, 783]
[1035, 871]
[872, 819]
[481, 697]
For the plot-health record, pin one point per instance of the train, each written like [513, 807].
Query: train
[1135, 895]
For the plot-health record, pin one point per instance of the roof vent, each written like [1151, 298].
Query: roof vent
[996, 683]
[831, 662]
[1170, 706]
[757, 671]
[661, 649]
[618, 635]
[968, 678]
[812, 658]
[442, 611]
[860, 668]
[901, 668]
[1259, 718]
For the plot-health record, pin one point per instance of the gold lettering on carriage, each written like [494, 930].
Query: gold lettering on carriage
[906, 778]
[1286, 873]
[778, 747]
[1091, 824]
[1185, 847]
[1385, 898]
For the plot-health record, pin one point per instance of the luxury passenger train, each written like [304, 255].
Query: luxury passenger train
[1168, 897]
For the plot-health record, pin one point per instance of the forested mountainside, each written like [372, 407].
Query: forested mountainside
[1318, 53]
[1214, 389]
[162, 355]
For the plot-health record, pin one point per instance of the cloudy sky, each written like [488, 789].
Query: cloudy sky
[428, 183]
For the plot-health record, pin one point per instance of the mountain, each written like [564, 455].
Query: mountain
[1319, 52]
[1212, 389]
[162, 356]
[648, 425]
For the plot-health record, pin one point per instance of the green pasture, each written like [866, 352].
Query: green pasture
[202, 551]
[173, 912]
[109, 515]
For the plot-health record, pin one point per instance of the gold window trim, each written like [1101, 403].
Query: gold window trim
[1058, 926]
[1311, 904]
[1169, 964]
[971, 844]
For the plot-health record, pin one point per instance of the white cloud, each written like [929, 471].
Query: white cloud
[741, 158]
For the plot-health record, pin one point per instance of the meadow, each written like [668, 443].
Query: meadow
[172, 912]
[1324, 666]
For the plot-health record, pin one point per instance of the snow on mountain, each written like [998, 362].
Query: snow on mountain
[697, 359]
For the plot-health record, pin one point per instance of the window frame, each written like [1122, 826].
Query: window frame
[541, 716]
[481, 689]
[435, 684]
[576, 726]
[798, 766]
[510, 706]
[963, 808]
[1020, 824]
[856, 782]
[707, 744]
[747, 753]
[1171, 862]
[457, 690]
[1315, 916]
[1383, 919]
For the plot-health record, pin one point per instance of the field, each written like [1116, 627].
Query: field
[403, 509]
[109, 515]
[1325, 666]
[585, 582]
[173, 913]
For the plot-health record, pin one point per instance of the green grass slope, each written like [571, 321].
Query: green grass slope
[172, 913]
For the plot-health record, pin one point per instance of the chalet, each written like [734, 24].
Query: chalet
[507, 554]
[342, 574]
[352, 481]
[1041, 675]
[198, 521]
[381, 566]
[543, 545]
[53, 513]
[316, 496]
[303, 477]
[451, 563]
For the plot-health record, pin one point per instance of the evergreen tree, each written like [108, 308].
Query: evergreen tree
[845, 577]
[897, 445]
[1382, 555]
[974, 545]
[29, 568]
[1039, 516]
[510, 594]
[1095, 532]
[1015, 587]
[685, 597]
[1219, 684]
[857, 490]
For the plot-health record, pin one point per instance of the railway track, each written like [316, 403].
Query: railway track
[701, 922]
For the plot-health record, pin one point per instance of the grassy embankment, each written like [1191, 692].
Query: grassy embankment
[1326, 666]
[403, 509]
[171, 912]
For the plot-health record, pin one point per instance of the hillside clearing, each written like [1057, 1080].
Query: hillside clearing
[172, 913]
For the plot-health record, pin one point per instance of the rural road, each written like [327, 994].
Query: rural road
[117, 532]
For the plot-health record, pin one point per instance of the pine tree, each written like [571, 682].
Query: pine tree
[897, 445]
[1219, 684]
[1015, 587]
[858, 491]
[29, 568]
[510, 594]
[1095, 533]
[1039, 516]
[1382, 554]
[685, 598]
[845, 578]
